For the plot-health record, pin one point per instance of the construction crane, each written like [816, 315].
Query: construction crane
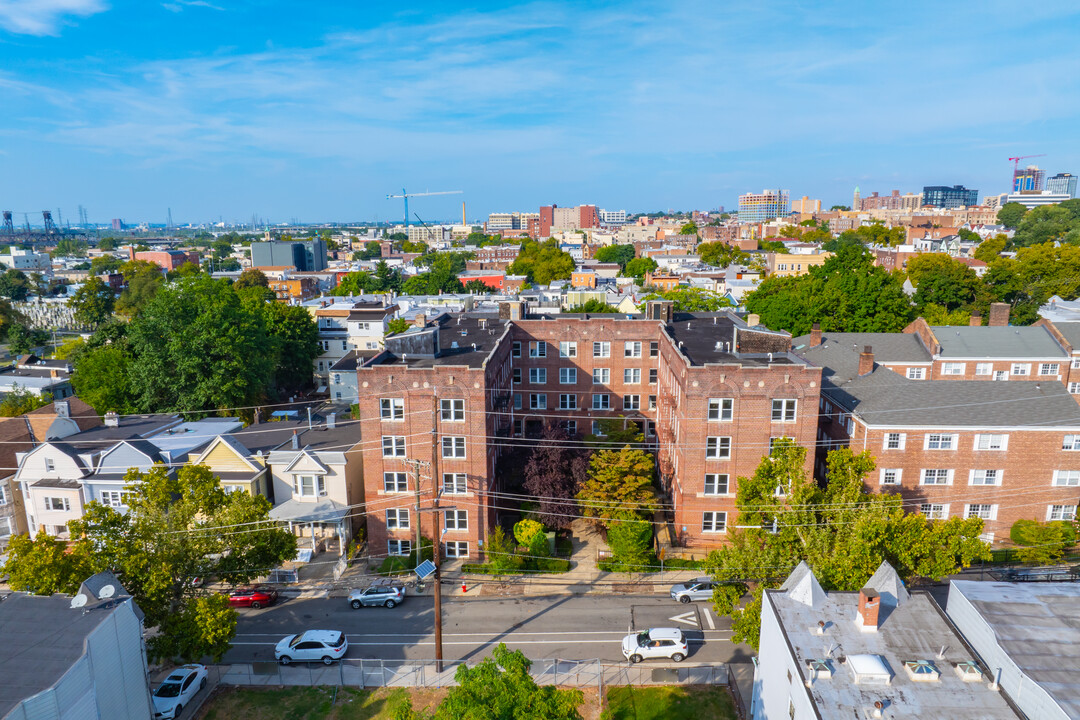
[1016, 160]
[406, 195]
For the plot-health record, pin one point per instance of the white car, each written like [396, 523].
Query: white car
[177, 690]
[655, 643]
[323, 646]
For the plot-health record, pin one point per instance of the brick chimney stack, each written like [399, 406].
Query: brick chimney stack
[420, 320]
[999, 314]
[975, 320]
[866, 361]
[869, 605]
[815, 335]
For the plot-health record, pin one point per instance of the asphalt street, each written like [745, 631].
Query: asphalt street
[561, 626]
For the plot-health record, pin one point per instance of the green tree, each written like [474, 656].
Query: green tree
[499, 687]
[990, 249]
[177, 529]
[297, 342]
[20, 401]
[689, 299]
[618, 485]
[530, 535]
[69, 247]
[688, 229]
[196, 347]
[105, 264]
[843, 208]
[102, 379]
[631, 543]
[943, 281]
[252, 277]
[1010, 214]
[397, 325]
[22, 339]
[478, 287]
[143, 280]
[93, 302]
[842, 531]
[720, 254]
[414, 246]
[844, 239]
[542, 262]
[637, 268]
[847, 293]
[372, 249]
[621, 254]
[1045, 223]
[43, 566]
[593, 306]
[107, 244]
[14, 285]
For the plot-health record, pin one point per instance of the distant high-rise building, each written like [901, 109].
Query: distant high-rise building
[573, 218]
[509, 221]
[117, 224]
[613, 217]
[763, 206]
[305, 255]
[1030, 179]
[943, 196]
[805, 205]
[1062, 184]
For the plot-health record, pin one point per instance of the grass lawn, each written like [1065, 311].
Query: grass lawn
[312, 703]
[669, 703]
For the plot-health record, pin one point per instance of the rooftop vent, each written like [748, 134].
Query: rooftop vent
[969, 671]
[922, 671]
[453, 345]
[819, 669]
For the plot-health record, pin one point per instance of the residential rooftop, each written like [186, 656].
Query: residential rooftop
[987, 342]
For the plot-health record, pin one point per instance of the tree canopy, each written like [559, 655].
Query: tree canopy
[542, 262]
[847, 293]
[553, 472]
[1010, 214]
[637, 268]
[842, 531]
[1048, 223]
[93, 302]
[621, 254]
[690, 299]
[175, 530]
[592, 306]
[618, 485]
[721, 254]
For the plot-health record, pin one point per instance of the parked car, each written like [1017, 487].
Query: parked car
[177, 691]
[323, 646]
[253, 597]
[655, 643]
[381, 592]
[700, 589]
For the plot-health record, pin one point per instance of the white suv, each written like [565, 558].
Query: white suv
[323, 646]
[655, 643]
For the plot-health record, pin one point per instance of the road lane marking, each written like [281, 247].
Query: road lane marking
[690, 618]
[708, 618]
[617, 633]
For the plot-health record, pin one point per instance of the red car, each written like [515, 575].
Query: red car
[253, 597]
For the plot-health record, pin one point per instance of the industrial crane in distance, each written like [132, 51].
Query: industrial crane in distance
[406, 195]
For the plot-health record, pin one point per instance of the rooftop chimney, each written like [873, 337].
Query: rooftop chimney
[331, 421]
[815, 335]
[63, 408]
[112, 419]
[420, 320]
[869, 604]
[752, 320]
[975, 320]
[866, 361]
[999, 314]
[295, 441]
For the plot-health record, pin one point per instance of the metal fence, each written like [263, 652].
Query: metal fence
[424, 673]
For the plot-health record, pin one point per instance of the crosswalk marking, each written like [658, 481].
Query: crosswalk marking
[708, 618]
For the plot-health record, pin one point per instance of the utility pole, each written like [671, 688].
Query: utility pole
[416, 465]
[436, 536]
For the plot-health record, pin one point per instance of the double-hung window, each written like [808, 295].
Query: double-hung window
[537, 401]
[567, 376]
[537, 376]
[934, 511]
[601, 349]
[457, 519]
[940, 441]
[393, 446]
[916, 373]
[984, 368]
[453, 447]
[632, 349]
[985, 477]
[392, 408]
[601, 376]
[632, 376]
[952, 368]
[397, 519]
[538, 349]
[395, 482]
[515, 350]
[895, 441]
[721, 408]
[567, 349]
[783, 410]
[982, 511]
[714, 522]
[1071, 442]
[398, 547]
[568, 401]
[452, 410]
[717, 448]
[716, 484]
[891, 476]
[309, 485]
[1067, 478]
[1061, 512]
[601, 401]
[631, 402]
[454, 483]
[936, 476]
[1048, 369]
[1021, 368]
[992, 442]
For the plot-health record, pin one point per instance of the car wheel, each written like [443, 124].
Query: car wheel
[355, 604]
[179, 709]
[684, 599]
[677, 657]
[256, 605]
[635, 658]
[389, 603]
[202, 683]
[327, 660]
[284, 659]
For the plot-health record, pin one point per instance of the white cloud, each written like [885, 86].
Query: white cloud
[179, 5]
[44, 17]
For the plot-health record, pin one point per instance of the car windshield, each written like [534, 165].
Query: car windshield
[339, 641]
[295, 641]
[642, 638]
[168, 690]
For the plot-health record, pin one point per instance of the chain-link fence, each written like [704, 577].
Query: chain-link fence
[425, 673]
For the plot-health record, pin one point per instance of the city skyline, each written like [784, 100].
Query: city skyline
[317, 113]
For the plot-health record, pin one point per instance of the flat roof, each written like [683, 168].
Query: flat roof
[997, 342]
[1036, 624]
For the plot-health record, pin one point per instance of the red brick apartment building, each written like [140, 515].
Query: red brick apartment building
[709, 391]
[950, 444]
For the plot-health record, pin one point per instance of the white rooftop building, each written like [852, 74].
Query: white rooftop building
[881, 652]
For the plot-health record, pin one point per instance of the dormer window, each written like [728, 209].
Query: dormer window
[309, 485]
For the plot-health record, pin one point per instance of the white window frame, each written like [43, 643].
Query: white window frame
[392, 409]
[632, 349]
[456, 548]
[109, 498]
[601, 401]
[934, 511]
[718, 447]
[787, 409]
[721, 409]
[631, 402]
[1001, 376]
[317, 486]
[1070, 443]
[980, 477]
[1020, 369]
[57, 504]
[601, 349]
[901, 439]
[1074, 388]
[916, 373]
[568, 376]
[604, 377]
[718, 481]
[453, 446]
[1055, 513]
[891, 476]
[538, 348]
[943, 441]
[984, 368]
[455, 483]
[452, 410]
[953, 368]
[398, 548]
[393, 446]
[455, 520]
[392, 482]
[983, 511]
[398, 519]
[538, 401]
[567, 349]
[631, 376]
[568, 401]
[1066, 478]
[538, 376]
[923, 475]
[1049, 369]
[714, 521]
[992, 441]
[50, 465]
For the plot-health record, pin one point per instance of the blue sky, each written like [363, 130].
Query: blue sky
[317, 110]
